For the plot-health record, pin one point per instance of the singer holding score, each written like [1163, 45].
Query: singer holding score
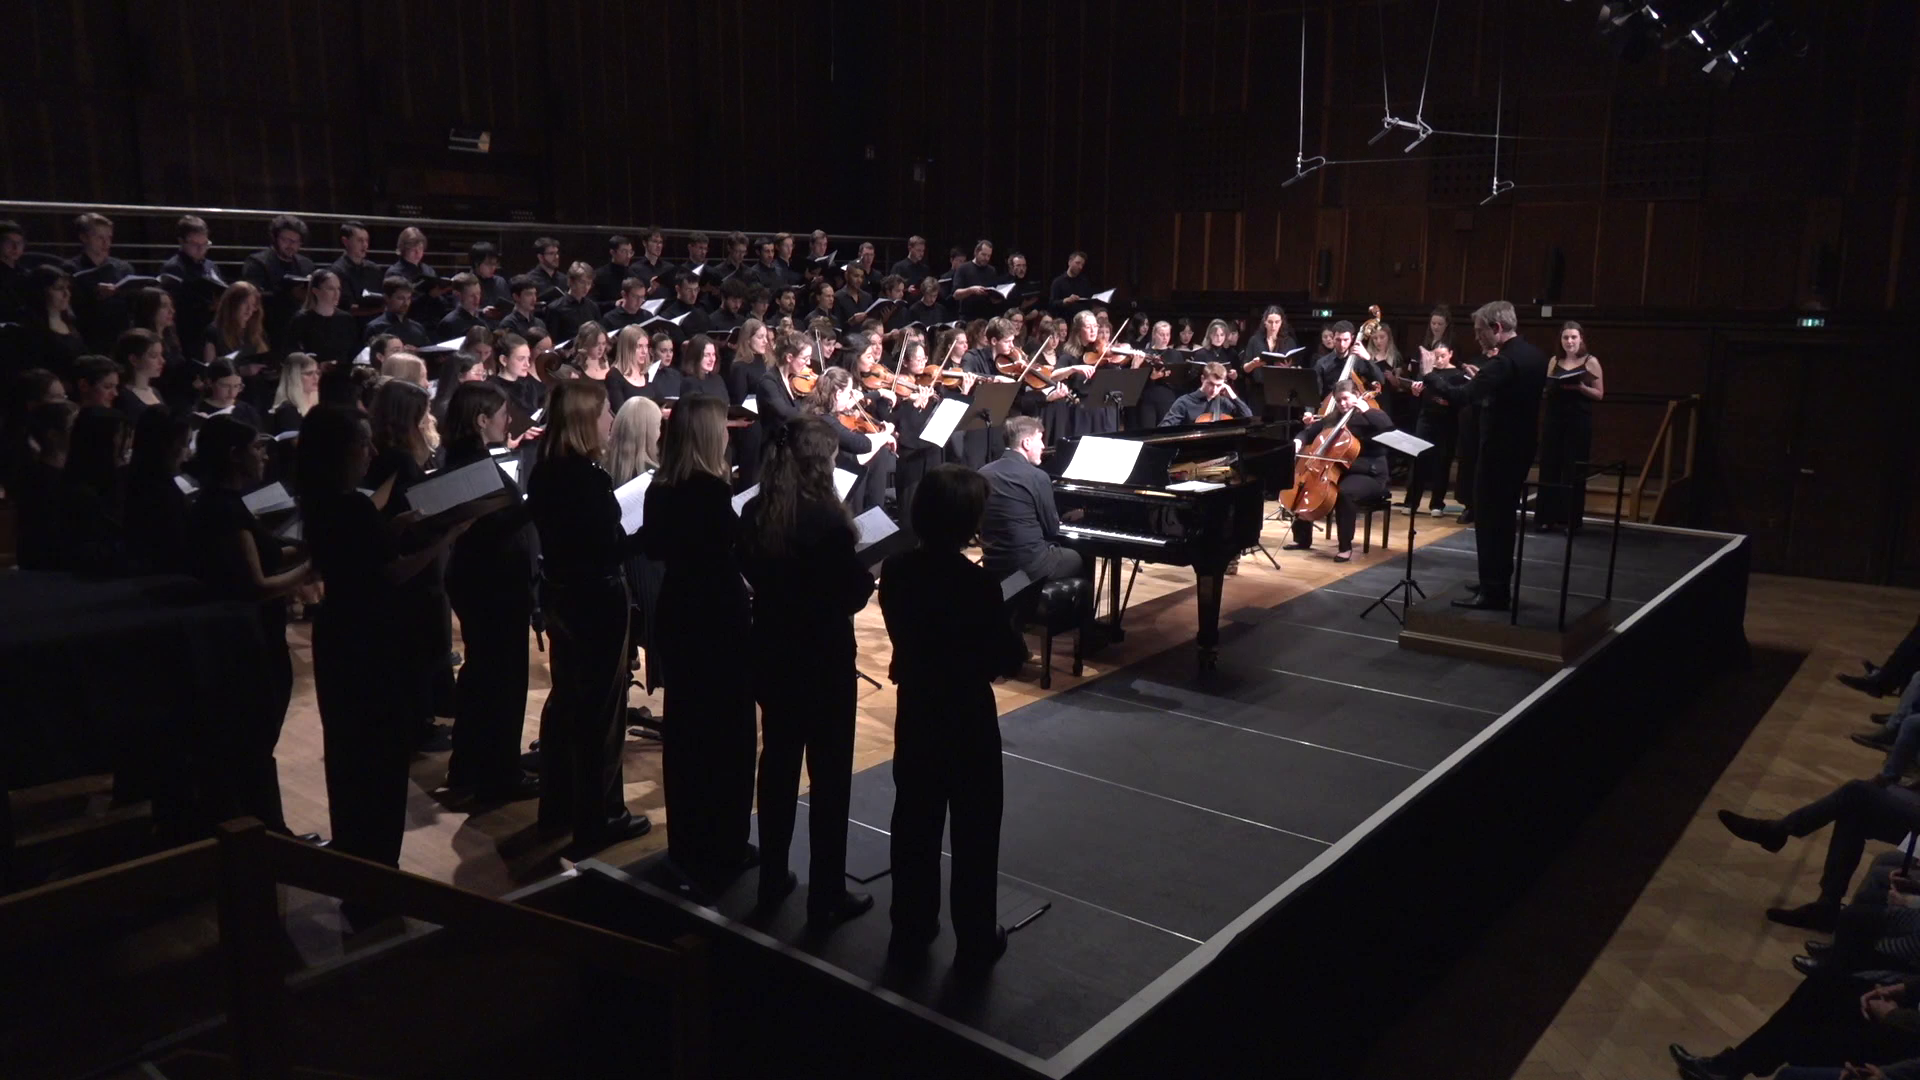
[1215, 400]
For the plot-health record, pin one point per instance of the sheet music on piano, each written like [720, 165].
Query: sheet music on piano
[1102, 461]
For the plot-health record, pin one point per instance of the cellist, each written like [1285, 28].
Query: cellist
[1365, 478]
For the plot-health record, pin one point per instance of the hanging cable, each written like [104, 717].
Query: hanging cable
[1499, 105]
[1300, 160]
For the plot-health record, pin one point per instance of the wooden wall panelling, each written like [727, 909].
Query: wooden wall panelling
[1329, 240]
[1444, 266]
[1750, 253]
[1620, 253]
[1671, 277]
[1487, 250]
[1384, 246]
[1539, 229]
[1866, 253]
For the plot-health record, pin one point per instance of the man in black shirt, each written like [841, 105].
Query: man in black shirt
[565, 316]
[733, 303]
[359, 279]
[466, 315]
[629, 309]
[652, 267]
[13, 245]
[686, 302]
[494, 297]
[1215, 400]
[280, 272]
[194, 283]
[928, 310]
[101, 313]
[1071, 289]
[607, 280]
[767, 271]
[1026, 293]
[735, 264]
[399, 294]
[1506, 393]
[1021, 529]
[546, 272]
[783, 258]
[524, 319]
[913, 269]
[1327, 368]
[973, 284]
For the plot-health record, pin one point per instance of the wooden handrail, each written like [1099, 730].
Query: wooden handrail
[1662, 447]
[60, 907]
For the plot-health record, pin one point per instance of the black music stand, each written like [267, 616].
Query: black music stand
[1289, 388]
[992, 404]
[1117, 386]
[1413, 447]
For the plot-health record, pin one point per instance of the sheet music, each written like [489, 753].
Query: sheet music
[946, 416]
[1013, 583]
[843, 482]
[363, 358]
[1103, 461]
[441, 493]
[1195, 485]
[633, 502]
[185, 484]
[449, 345]
[1103, 297]
[270, 499]
[741, 500]
[652, 307]
[1411, 445]
[751, 403]
[873, 527]
[510, 466]
[1004, 290]
[294, 531]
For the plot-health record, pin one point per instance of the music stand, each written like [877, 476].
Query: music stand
[1413, 447]
[1289, 388]
[992, 404]
[1117, 386]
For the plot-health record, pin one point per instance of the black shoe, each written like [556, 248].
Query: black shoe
[1872, 669]
[1817, 949]
[1868, 686]
[1880, 739]
[625, 828]
[848, 905]
[1484, 601]
[525, 786]
[1296, 546]
[1819, 916]
[1768, 834]
[1805, 965]
[1694, 1067]
[976, 961]
[1880, 717]
[1466, 517]
[772, 894]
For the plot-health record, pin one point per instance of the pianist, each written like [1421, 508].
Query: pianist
[1215, 400]
[1021, 530]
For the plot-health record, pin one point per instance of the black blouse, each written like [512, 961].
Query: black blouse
[578, 520]
[331, 338]
[217, 514]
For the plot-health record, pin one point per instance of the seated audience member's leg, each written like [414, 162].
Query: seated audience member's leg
[1821, 1024]
[1859, 810]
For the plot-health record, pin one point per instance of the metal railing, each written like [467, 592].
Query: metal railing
[586, 243]
[243, 867]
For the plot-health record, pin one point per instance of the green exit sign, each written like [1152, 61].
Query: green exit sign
[1323, 313]
[1811, 322]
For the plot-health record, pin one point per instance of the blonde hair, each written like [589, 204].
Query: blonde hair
[407, 367]
[574, 407]
[696, 441]
[626, 354]
[635, 445]
[293, 388]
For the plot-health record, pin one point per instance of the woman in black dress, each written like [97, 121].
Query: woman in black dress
[751, 363]
[1365, 478]
[142, 359]
[53, 336]
[361, 672]
[584, 597]
[398, 418]
[1566, 435]
[696, 373]
[243, 561]
[322, 329]
[708, 730]
[158, 510]
[299, 391]
[797, 552]
[489, 581]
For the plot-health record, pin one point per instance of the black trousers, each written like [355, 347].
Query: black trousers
[1502, 470]
[367, 733]
[584, 723]
[1859, 810]
[971, 448]
[239, 774]
[490, 693]
[875, 479]
[1566, 440]
[915, 462]
[1901, 663]
[946, 763]
[1155, 400]
[1431, 468]
[1821, 1024]
[812, 718]
[1058, 563]
[1466, 442]
[707, 751]
[1354, 488]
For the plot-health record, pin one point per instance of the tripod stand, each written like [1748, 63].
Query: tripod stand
[1413, 447]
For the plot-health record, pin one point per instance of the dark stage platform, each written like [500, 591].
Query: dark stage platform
[1246, 868]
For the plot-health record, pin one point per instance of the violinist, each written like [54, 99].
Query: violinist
[1364, 479]
[866, 445]
[875, 379]
[751, 365]
[1081, 357]
[983, 363]
[1327, 368]
[1159, 395]
[1215, 400]
[787, 384]
[917, 394]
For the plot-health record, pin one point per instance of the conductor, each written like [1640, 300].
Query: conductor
[1507, 392]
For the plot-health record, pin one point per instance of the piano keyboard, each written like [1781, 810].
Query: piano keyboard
[1088, 532]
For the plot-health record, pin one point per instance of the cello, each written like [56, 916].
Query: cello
[1319, 466]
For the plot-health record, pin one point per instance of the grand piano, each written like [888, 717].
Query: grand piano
[1239, 464]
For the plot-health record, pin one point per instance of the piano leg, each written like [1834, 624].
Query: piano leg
[1207, 585]
[1114, 610]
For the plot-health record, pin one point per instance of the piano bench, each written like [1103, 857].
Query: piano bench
[1366, 508]
[1055, 607]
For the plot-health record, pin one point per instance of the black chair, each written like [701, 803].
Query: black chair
[1366, 508]
[1055, 607]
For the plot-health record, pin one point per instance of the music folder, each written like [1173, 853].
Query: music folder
[879, 537]
[465, 489]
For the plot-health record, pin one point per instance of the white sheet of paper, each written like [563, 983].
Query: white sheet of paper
[214, 413]
[451, 344]
[1103, 461]
[446, 490]
[751, 403]
[186, 485]
[1103, 297]
[290, 433]
[946, 416]
[873, 527]
[843, 482]
[363, 358]
[1195, 485]
[633, 502]
[267, 500]
[500, 451]
[232, 356]
[652, 307]
[741, 500]
[1412, 445]
[510, 466]
[1013, 583]
[1004, 290]
[294, 530]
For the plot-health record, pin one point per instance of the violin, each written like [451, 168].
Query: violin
[859, 421]
[802, 385]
